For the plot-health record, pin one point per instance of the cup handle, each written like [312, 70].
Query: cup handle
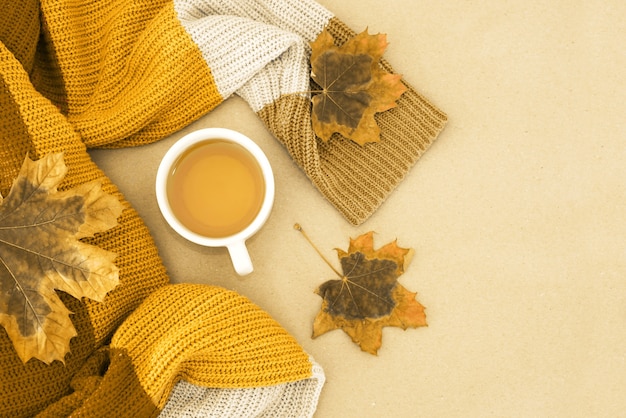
[240, 258]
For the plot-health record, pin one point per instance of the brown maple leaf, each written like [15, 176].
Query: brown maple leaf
[40, 251]
[354, 87]
[368, 297]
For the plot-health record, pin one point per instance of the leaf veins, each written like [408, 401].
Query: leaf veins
[353, 87]
[368, 296]
[40, 251]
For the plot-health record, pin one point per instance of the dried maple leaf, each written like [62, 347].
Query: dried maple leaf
[368, 297]
[40, 251]
[354, 86]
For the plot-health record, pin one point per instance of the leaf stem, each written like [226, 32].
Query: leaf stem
[297, 227]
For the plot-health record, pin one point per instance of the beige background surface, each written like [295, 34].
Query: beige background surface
[517, 215]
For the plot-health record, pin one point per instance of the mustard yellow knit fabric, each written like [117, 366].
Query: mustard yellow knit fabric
[81, 74]
[48, 103]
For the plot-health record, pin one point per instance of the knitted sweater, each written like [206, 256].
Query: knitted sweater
[76, 75]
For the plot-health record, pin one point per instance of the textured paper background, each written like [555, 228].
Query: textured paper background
[517, 215]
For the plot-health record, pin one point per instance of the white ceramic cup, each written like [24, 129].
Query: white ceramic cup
[235, 243]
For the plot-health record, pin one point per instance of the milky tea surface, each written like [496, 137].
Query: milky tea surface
[216, 188]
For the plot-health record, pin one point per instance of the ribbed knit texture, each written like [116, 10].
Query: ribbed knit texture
[289, 400]
[207, 335]
[90, 84]
[129, 71]
[268, 43]
[356, 179]
[76, 75]
[31, 124]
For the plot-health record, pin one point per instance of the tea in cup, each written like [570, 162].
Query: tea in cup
[215, 187]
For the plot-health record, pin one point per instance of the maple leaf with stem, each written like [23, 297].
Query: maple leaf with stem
[354, 87]
[40, 251]
[368, 297]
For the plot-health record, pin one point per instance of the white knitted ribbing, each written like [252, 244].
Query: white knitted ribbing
[257, 49]
[305, 18]
[260, 51]
[294, 400]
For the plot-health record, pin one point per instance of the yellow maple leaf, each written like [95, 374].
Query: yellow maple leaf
[367, 296]
[40, 251]
[353, 85]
